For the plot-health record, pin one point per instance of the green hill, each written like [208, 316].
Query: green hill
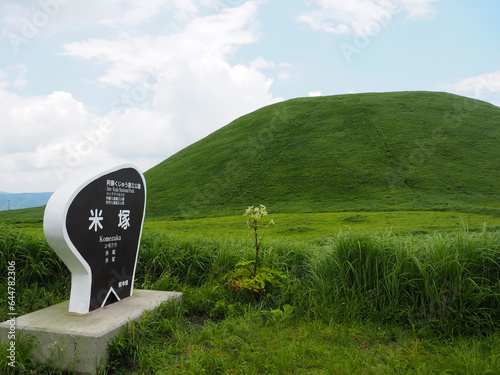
[374, 151]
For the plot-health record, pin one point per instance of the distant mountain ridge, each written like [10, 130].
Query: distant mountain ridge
[375, 151]
[15, 201]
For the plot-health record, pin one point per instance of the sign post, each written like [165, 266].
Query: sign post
[94, 224]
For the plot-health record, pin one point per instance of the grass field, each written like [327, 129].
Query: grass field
[317, 226]
[300, 226]
[354, 301]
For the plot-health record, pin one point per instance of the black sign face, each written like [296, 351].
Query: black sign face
[104, 223]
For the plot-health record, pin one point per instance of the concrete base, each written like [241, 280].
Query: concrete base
[80, 343]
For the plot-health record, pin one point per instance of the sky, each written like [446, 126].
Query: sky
[84, 83]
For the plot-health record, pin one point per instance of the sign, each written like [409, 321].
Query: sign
[94, 224]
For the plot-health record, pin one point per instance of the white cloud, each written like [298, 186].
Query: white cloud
[177, 88]
[29, 19]
[207, 38]
[284, 76]
[419, 8]
[203, 95]
[29, 122]
[483, 86]
[314, 94]
[28, 126]
[54, 137]
[362, 17]
[14, 76]
[18, 72]
[261, 63]
[190, 72]
[138, 11]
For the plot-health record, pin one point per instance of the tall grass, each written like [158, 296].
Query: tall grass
[448, 283]
[41, 277]
[190, 261]
[386, 287]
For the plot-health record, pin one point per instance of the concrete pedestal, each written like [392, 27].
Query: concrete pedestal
[79, 343]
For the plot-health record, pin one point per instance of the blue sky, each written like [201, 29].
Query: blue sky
[84, 83]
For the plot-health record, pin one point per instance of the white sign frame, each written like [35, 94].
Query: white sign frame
[56, 234]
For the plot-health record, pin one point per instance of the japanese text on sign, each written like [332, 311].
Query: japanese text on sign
[123, 185]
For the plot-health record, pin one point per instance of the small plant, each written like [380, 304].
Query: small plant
[280, 315]
[247, 275]
[254, 215]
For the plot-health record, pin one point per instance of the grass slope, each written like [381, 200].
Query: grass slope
[374, 151]
[26, 217]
